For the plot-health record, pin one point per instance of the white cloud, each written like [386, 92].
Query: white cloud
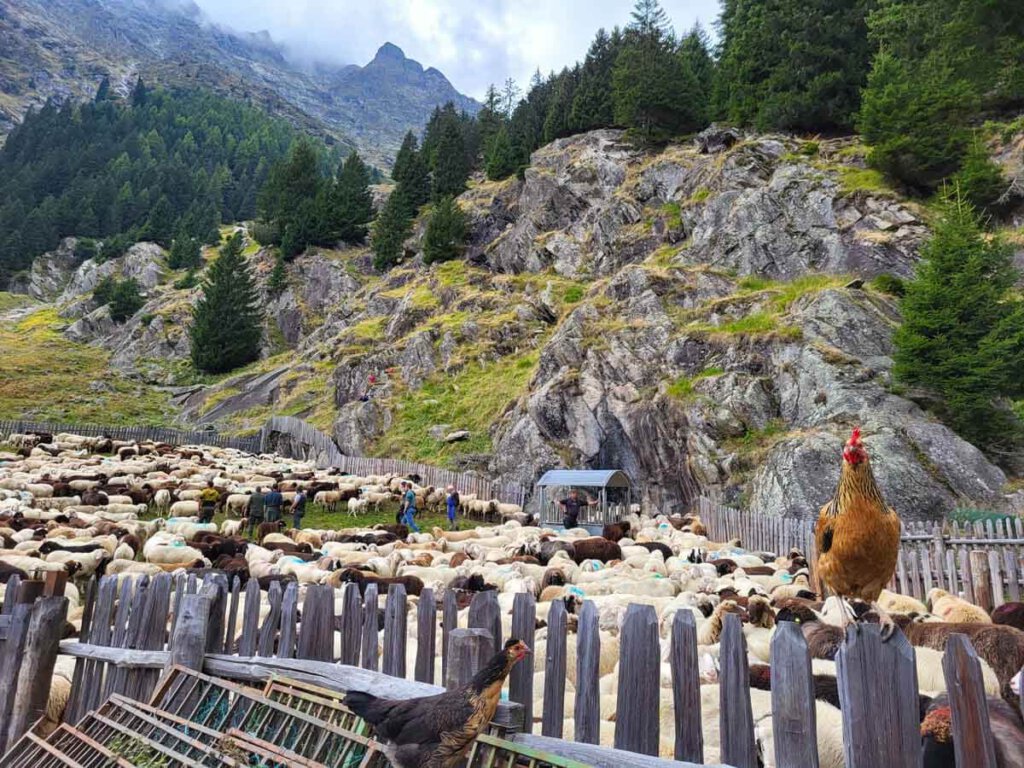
[474, 42]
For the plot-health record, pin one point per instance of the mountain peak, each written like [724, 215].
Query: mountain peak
[389, 52]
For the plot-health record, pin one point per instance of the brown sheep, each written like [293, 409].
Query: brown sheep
[1010, 615]
[553, 577]
[615, 531]
[1001, 646]
[413, 584]
[264, 528]
[458, 559]
[596, 548]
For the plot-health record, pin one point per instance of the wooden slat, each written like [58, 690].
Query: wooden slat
[555, 672]
[426, 636]
[689, 737]
[524, 622]
[794, 718]
[636, 722]
[395, 626]
[587, 711]
[735, 716]
[972, 731]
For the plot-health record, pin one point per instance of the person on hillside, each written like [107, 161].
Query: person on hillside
[452, 502]
[256, 508]
[273, 502]
[298, 508]
[410, 508]
[209, 498]
[572, 506]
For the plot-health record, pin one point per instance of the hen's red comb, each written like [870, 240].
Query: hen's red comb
[855, 437]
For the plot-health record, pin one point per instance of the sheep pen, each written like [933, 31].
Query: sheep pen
[481, 574]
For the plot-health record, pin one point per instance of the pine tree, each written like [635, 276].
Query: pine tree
[653, 94]
[446, 232]
[186, 252]
[914, 116]
[103, 91]
[491, 116]
[450, 169]
[980, 180]
[509, 97]
[557, 121]
[139, 93]
[695, 52]
[411, 174]
[160, 224]
[592, 103]
[278, 280]
[962, 336]
[125, 300]
[500, 161]
[226, 321]
[351, 202]
[390, 230]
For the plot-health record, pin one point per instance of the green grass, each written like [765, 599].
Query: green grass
[869, 180]
[9, 301]
[759, 439]
[682, 387]
[472, 399]
[699, 196]
[45, 376]
[673, 215]
[573, 294]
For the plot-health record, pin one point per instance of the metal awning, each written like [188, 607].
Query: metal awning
[591, 478]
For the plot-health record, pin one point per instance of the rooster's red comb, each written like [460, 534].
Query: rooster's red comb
[855, 437]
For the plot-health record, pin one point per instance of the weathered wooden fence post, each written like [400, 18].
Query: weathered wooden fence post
[587, 710]
[972, 732]
[351, 625]
[689, 744]
[636, 723]
[876, 679]
[484, 613]
[794, 717]
[289, 620]
[268, 632]
[426, 636]
[470, 650]
[369, 638]
[316, 638]
[449, 622]
[188, 644]
[395, 626]
[981, 579]
[735, 716]
[14, 633]
[554, 673]
[250, 619]
[520, 688]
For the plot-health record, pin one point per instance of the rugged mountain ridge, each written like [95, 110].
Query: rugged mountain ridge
[700, 317]
[63, 48]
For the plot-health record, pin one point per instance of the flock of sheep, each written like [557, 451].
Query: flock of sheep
[75, 504]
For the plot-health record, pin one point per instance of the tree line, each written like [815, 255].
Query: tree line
[160, 165]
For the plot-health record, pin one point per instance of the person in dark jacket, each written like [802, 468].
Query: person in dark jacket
[274, 501]
[256, 508]
[298, 508]
[452, 503]
[572, 507]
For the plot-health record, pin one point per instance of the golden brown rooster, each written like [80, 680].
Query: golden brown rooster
[858, 535]
[436, 731]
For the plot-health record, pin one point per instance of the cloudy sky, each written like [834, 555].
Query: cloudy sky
[474, 42]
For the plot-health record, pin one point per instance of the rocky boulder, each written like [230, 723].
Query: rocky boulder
[50, 273]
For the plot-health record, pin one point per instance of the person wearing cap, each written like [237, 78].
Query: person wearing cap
[452, 501]
[255, 513]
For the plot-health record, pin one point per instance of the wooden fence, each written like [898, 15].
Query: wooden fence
[31, 620]
[217, 627]
[298, 439]
[135, 434]
[982, 561]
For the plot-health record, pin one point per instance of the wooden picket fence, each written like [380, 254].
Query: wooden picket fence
[983, 561]
[298, 439]
[124, 645]
[134, 434]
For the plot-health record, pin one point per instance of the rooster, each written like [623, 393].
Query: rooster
[858, 535]
[436, 731]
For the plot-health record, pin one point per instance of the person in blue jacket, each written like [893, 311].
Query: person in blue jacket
[409, 497]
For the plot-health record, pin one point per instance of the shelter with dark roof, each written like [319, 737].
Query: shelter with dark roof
[611, 487]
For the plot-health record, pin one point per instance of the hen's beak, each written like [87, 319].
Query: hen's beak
[525, 651]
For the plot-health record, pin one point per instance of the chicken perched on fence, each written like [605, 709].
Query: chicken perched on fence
[858, 534]
[436, 731]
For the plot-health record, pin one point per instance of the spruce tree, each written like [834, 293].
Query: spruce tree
[160, 225]
[186, 252]
[450, 169]
[491, 117]
[592, 102]
[962, 336]
[278, 279]
[226, 321]
[914, 117]
[125, 300]
[500, 161]
[103, 91]
[695, 52]
[351, 202]
[390, 230]
[446, 232]
[411, 174]
[557, 120]
[653, 94]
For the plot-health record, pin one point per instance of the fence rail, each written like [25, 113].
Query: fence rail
[984, 561]
[135, 434]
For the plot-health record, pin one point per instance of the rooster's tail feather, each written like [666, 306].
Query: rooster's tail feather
[361, 703]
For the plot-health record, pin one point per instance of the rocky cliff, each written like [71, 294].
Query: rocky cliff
[704, 317]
